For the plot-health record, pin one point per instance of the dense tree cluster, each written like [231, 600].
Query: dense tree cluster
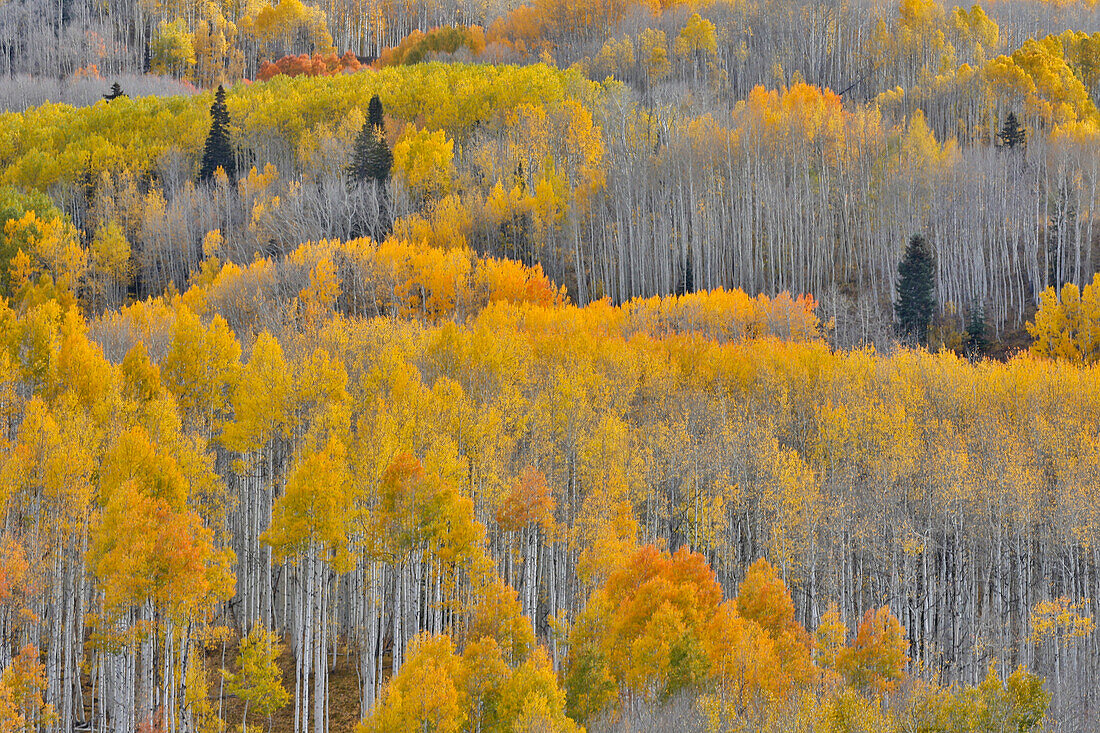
[547, 365]
[618, 192]
[303, 64]
[416, 466]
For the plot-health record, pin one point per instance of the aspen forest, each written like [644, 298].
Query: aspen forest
[378, 366]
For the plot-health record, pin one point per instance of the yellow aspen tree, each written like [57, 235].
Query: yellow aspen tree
[22, 691]
[531, 699]
[141, 377]
[258, 680]
[427, 694]
[200, 368]
[697, 41]
[423, 161]
[1067, 325]
[309, 525]
[830, 640]
[745, 663]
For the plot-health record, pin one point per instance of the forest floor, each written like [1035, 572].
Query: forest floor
[343, 694]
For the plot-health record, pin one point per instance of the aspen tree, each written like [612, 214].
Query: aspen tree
[258, 680]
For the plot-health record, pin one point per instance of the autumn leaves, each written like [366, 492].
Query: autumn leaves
[659, 627]
[443, 484]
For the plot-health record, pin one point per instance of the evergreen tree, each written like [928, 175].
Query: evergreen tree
[374, 113]
[1012, 134]
[916, 291]
[218, 152]
[115, 93]
[976, 340]
[371, 157]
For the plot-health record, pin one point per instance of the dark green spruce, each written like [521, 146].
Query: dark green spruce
[374, 113]
[115, 93]
[1012, 134]
[371, 159]
[916, 291]
[977, 340]
[218, 152]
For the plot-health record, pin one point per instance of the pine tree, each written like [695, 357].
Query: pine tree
[916, 291]
[976, 340]
[218, 152]
[115, 93]
[374, 113]
[371, 157]
[1012, 134]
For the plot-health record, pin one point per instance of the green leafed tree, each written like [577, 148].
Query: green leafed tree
[218, 152]
[977, 339]
[115, 93]
[916, 291]
[372, 158]
[1012, 133]
[374, 113]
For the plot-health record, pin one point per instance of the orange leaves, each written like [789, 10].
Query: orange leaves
[428, 281]
[726, 315]
[13, 568]
[658, 625]
[305, 65]
[876, 659]
[440, 283]
[144, 550]
[318, 301]
[147, 544]
[644, 627]
[745, 659]
[413, 279]
[649, 577]
[763, 598]
[508, 281]
[803, 114]
[528, 501]
[420, 510]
